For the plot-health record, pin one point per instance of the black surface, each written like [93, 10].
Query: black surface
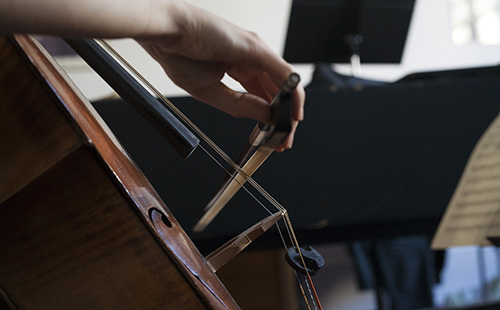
[321, 30]
[378, 162]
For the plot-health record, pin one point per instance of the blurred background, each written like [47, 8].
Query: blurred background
[398, 92]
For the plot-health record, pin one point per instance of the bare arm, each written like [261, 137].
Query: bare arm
[194, 47]
[89, 18]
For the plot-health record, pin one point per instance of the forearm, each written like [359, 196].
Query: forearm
[92, 18]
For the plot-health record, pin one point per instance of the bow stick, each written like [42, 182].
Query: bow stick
[264, 139]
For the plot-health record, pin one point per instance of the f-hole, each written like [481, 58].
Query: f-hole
[153, 213]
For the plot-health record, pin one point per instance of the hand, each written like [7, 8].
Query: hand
[208, 48]
[194, 47]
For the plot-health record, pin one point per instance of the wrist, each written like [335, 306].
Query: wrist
[167, 19]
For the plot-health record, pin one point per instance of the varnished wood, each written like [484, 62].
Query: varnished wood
[25, 135]
[70, 244]
[261, 273]
[75, 228]
[233, 247]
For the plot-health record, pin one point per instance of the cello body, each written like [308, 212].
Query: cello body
[80, 225]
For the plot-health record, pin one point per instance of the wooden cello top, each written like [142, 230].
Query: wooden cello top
[68, 191]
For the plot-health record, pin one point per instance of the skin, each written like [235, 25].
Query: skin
[194, 47]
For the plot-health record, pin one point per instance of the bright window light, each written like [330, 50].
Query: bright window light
[475, 21]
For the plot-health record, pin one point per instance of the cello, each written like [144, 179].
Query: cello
[81, 225]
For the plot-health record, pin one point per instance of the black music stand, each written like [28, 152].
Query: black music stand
[323, 30]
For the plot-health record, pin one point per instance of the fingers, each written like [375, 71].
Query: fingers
[299, 99]
[288, 143]
[276, 71]
[249, 61]
[245, 105]
[235, 103]
[260, 84]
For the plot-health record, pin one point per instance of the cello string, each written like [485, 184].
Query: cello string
[302, 291]
[307, 280]
[248, 192]
[190, 124]
[311, 291]
[147, 85]
[207, 140]
[241, 185]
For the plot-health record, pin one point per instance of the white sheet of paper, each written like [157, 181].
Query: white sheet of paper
[473, 213]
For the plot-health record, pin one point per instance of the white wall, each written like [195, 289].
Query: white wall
[267, 18]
